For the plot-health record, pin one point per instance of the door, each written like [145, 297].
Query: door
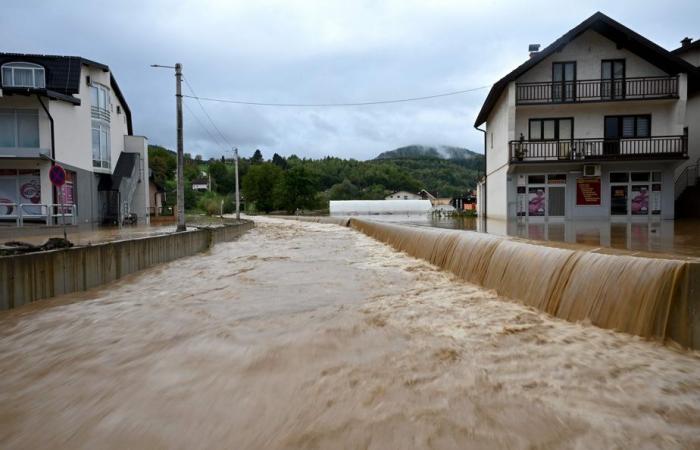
[564, 81]
[618, 200]
[612, 79]
[557, 201]
[565, 135]
[611, 143]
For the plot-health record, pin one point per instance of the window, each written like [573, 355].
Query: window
[628, 127]
[101, 154]
[19, 128]
[21, 74]
[551, 129]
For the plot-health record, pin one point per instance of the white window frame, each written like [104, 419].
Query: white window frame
[38, 74]
[104, 148]
[15, 113]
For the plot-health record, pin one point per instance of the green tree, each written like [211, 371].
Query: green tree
[344, 191]
[257, 157]
[222, 178]
[279, 161]
[163, 163]
[259, 185]
[297, 189]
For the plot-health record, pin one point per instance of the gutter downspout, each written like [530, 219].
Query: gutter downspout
[485, 172]
[53, 147]
[53, 141]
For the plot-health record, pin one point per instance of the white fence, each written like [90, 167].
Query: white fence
[51, 214]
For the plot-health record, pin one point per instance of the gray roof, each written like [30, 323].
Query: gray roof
[616, 32]
[63, 78]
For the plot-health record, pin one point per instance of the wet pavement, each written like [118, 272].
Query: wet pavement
[305, 335]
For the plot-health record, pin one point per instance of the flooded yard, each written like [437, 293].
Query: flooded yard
[306, 335]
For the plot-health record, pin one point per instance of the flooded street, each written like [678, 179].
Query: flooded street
[306, 335]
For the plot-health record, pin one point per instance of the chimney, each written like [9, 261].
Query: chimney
[533, 49]
[686, 42]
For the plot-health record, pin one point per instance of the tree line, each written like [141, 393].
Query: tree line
[291, 183]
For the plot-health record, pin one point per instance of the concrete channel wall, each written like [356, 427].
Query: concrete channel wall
[33, 276]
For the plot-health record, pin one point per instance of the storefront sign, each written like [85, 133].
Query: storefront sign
[588, 191]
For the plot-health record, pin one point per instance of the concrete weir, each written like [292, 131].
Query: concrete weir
[33, 276]
[652, 297]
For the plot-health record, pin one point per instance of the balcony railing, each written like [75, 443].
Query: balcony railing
[100, 113]
[658, 147]
[582, 91]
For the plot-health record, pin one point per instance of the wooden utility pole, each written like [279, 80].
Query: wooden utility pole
[180, 152]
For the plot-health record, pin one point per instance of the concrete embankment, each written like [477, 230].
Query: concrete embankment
[656, 298]
[652, 297]
[29, 277]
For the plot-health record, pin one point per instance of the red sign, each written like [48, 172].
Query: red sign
[588, 191]
[57, 175]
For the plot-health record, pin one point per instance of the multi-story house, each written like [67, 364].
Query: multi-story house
[594, 126]
[70, 111]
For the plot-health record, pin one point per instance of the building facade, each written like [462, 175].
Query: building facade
[402, 195]
[595, 126]
[70, 111]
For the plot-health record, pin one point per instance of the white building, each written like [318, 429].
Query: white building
[595, 126]
[69, 110]
[402, 195]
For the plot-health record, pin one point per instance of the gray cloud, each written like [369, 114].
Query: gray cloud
[316, 51]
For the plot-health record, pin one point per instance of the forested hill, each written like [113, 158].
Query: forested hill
[279, 183]
[424, 151]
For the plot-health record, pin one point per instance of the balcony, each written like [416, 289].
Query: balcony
[588, 91]
[100, 114]
[600, 149]
[24, 153]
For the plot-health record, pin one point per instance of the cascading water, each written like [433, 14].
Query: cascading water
[649, 297]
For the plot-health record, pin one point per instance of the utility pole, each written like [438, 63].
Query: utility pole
[180, 150]
[238, 198]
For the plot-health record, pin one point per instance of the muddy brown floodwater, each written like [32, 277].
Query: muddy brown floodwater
[304, 335]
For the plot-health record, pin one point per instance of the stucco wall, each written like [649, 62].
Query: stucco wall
[588, 50]
[589, 117]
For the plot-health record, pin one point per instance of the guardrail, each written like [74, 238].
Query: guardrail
[100, 113]
[597, 90]
[51, 214]
[689, 177]
[600, 149]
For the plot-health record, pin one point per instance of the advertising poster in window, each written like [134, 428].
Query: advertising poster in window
[655, 199]
[30, 192]
[640, 200]
[588, 191]
[8, 194]
[68, 191]
[536, 202]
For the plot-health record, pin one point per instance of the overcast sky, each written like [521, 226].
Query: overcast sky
[316, 52]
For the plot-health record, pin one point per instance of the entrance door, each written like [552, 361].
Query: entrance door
[613, 79]
[618, 200]
[564, 81]
[557, 201]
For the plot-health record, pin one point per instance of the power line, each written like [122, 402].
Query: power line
[304, 105]
[194, 95]
[201, 124]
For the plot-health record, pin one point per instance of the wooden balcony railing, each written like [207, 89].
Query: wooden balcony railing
[658, 147]
[582, 91]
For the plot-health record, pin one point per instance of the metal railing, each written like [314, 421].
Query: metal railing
[599, 90]
[50, 214]
[100, 113]
[688, 177]
[600, 149]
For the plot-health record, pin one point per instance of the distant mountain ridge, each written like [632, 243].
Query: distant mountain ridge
[429, 152]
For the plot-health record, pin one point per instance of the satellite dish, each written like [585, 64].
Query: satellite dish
[533, 48]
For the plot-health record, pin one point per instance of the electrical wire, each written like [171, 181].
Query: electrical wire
[201, 124]
[194, 95]
[306, 105]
